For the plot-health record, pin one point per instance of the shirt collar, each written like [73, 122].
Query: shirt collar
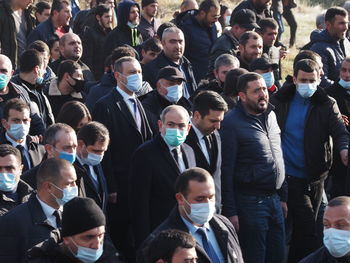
[193, 228]
[199, 134]
[125, 95]
[48, 210]
[14, 143]
[169, 146]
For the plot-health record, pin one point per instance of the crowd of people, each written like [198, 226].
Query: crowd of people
[125, 138]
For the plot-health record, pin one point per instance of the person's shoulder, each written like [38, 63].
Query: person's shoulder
[319, 256]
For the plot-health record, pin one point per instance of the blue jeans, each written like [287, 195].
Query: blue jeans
[261, 228]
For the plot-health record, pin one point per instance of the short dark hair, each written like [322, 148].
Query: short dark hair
[40, 46]
[93, 132]
[7, 149]
[50, 135]
[231, 79]
[14, 104]
[100, 1]
[41, 6]
[306, 54]
[66, 66]
[58, 5]
[243, 80]
[334, 11]
[124, 51]
[205, 5]
[118, 65]
[50, 170]
[208, 100]
[162, 27]
[29, 60]
[306, 65]
[193, 174]
[152, 44]
[72, 113]
[243, 40]
[166, 243]
[266, 23]
[102, 9]
[339, 201]
[51, 42]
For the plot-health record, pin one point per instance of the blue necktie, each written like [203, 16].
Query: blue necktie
[207, 246]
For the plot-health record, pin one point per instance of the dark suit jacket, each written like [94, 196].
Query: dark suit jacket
[22, 228]
[114, 113]
[36, 151]
[151, 187]
[100, 197]
[215, 168]
[224, 232]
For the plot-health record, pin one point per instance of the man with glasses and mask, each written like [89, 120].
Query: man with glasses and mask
[123, 115]
[195, 214]
[68, 85]
[32, 222]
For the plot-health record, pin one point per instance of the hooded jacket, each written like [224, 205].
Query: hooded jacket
[123, 34]
[332, 51]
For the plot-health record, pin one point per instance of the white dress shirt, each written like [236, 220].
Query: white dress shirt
[24, 144]
[48, 211]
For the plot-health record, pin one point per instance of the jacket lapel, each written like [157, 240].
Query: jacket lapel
[37, 212]
[194, 143]
[166, 153]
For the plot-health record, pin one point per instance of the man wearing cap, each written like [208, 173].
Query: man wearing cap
[154, 168]
[261, 8]
[32, 222]
[81, 238]
[265, 68]
[244, 20]
[169, 91]
[148, 22]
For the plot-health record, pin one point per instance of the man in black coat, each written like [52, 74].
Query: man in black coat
[216, 238]
[169, 91]
[123, 115]
[154, 169]
[173, 42]
[32, 222]
[261, 8]
[307, 118]
[16, 123]
[208, 112]
[13, 191]
[93, 140]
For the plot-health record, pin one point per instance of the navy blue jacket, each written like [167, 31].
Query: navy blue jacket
[332, 54]
[322, 255]
[252, 160]
[199, 41]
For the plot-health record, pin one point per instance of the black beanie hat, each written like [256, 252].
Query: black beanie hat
[80, 215]
[147, 2]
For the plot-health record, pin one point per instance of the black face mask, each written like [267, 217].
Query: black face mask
[79, 84]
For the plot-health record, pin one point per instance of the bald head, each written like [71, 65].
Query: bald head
[7, 71]
[70, 46]
[188, 5]
[6, 61]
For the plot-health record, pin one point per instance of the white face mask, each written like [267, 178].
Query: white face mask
[201, 213]
[93, 159]
[337, 241]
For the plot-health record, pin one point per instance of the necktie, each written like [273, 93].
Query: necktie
[209, 146]
[207, 246]
[93, 179]
[24, 158]
[176, 155]
[57, 214]
[136, 113]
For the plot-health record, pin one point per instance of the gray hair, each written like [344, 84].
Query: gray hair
[176, 108]
[226, 60]
[171, 30]
[320, 19]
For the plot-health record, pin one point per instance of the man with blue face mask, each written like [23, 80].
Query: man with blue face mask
[169, 91]
[13, 191]
[156, 165]
[16, 122]
[308, 118]
[216, 239]
[32, 222]
[123, 115]
[336, 240]
[82, 238]
[93, 140]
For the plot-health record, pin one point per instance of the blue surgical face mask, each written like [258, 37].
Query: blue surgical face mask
[175, 137]
[93, 159]
[8, 182]
[174, 93]
[344, 84]
[201, 213]
[227, 20]
[337, 241]
[88, 255]
[18, 131]
[269, 79]
[4, 79]
[306, 90]
[70, 157]
[39, 80]
[134, 82]
[131, 25]
[68, 194]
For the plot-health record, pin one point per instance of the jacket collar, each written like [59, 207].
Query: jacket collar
[240, 107]
[54, 91]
